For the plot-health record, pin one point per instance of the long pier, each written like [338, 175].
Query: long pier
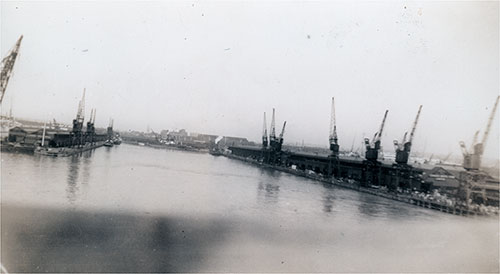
[356, 185]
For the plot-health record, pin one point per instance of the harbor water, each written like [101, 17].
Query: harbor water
[139, 209]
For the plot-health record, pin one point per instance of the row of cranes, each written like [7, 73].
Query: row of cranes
[80, 117]
[78, 132]
[6, 70]
[472, 159]
[372, 147]
[403, 149]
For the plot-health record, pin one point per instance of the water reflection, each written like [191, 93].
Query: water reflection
[72, 178]
[87, 155]
[269, 191]
[268, 187]
[369, 206]
[328, 198]
[108, 152]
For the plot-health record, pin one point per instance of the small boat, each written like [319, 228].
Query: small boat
[108, 143]
[117, 141]
[215, 152]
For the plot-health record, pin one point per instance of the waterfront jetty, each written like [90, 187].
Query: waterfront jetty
[463, 190]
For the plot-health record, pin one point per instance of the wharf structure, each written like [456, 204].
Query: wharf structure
[77, 140]
[466, 187]
[52, 141]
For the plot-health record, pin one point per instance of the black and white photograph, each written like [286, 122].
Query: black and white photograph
[218, 136]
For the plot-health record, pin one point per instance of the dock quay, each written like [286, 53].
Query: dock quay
[459, 189]
[412, 198]
[58, 142]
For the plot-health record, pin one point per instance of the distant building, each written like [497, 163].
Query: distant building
[29, 136]
[54, 138]
[446, 179]
[442, 178]
[206, 138]
[233, 141]
[492, 190]
[164, 134]
[178, 136]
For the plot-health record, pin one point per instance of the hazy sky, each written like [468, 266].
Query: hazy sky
[215, 67]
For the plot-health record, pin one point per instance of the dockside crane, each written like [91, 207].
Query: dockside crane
[273, 139]
[334, 145]
[373, 147]
[472, 181]
[92, 117]
[90, 126]
[472, 160]
[474, 139]
[403, 149]
[429, 161]
[446, 157]
[275, 142]
[280, 138]
[265, 141]
[77, 131]
[7, 66]
[272, 136]
[55, 124]
[157, 135]
[80, 115]
[89, 123]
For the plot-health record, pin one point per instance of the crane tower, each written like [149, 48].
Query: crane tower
[403, 149]
[472, 160]
[373, 147]
[265, 141]
[7, 66]
[334, 145]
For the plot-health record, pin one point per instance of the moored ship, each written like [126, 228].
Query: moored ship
[65, 151]
[117, 140]
[108, 143]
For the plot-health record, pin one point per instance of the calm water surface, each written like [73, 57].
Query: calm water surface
[131, 208]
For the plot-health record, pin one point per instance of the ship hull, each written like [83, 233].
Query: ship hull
[65, 151]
